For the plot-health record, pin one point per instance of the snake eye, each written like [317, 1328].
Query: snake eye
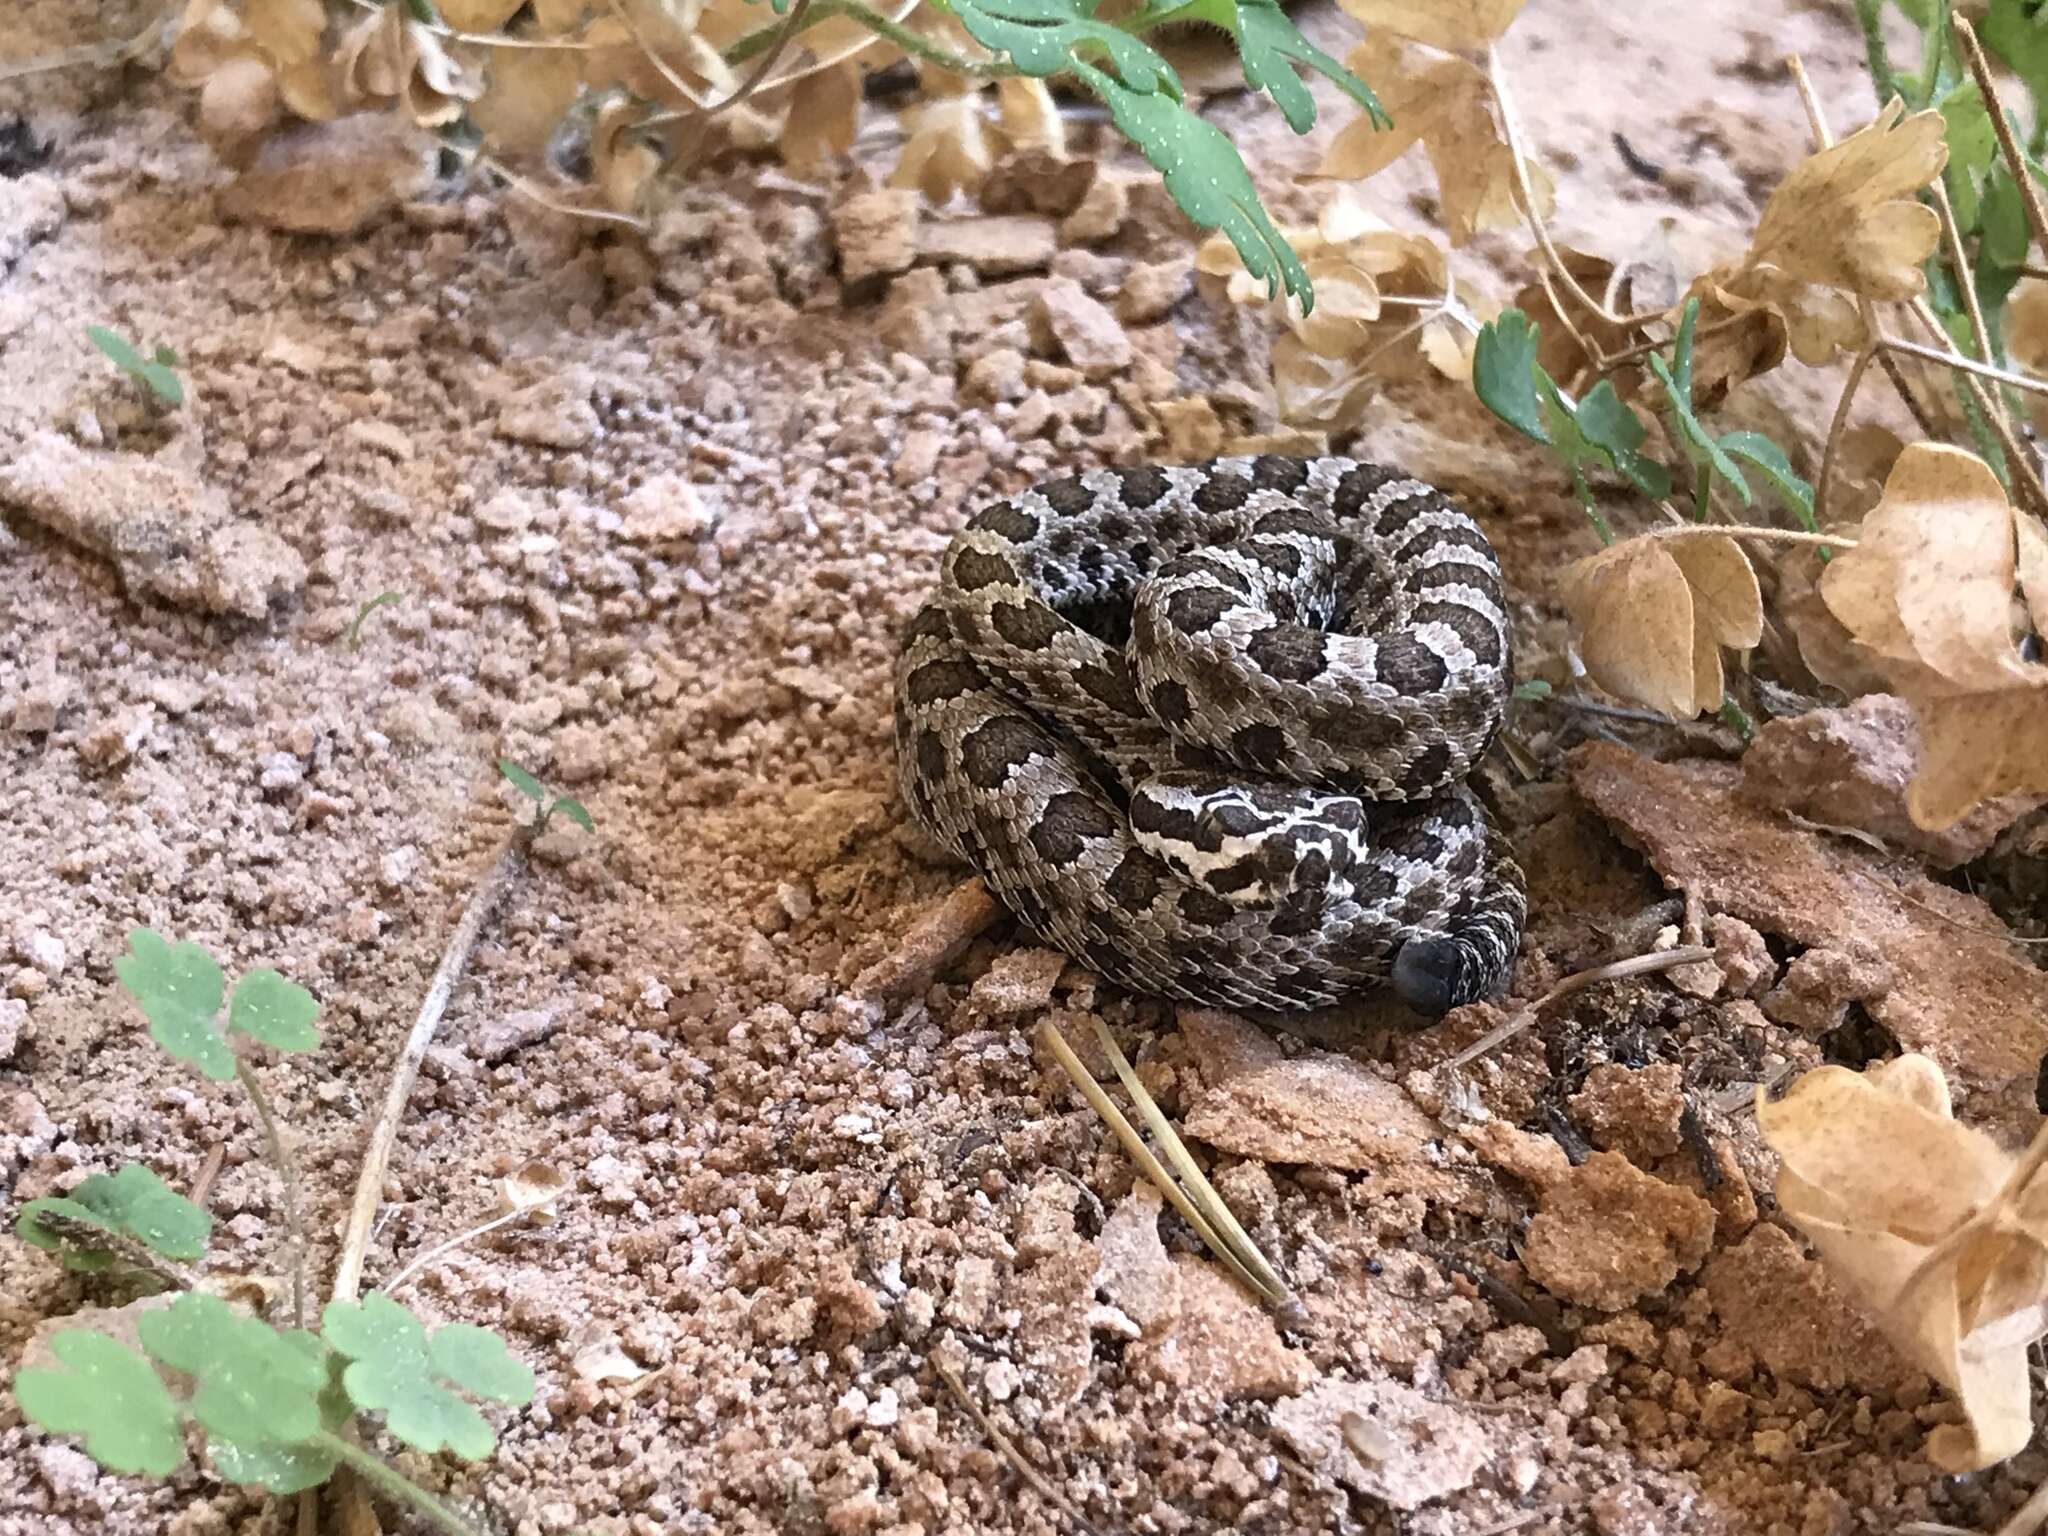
[1429, 976]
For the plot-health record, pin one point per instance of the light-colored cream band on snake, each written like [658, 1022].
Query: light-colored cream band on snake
[1207, 728]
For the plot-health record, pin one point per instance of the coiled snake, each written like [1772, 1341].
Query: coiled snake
[1206, 730]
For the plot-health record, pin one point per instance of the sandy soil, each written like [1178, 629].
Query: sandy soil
[654, 511]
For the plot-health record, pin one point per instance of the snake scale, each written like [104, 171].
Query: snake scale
[1206, 729]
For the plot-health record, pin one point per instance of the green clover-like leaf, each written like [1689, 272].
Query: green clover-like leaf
[1047, 37]
[291, 1468]
[572, 808]
[1756, 449]
[396, 1371]
[278, 1468]
[523, 781]
[476, 1360]
[180, 990]
[108, 1395]
[251, 1386]
[1205, 176]
[1271, 45]
[280, 1013]
[1606, 422]
[1504, 371]
[132, 1201]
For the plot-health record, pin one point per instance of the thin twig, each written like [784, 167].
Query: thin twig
[1195, 1181]
[1866, 312]
[427, 1256]
[1837, 426]
[1959, 261]
[1907, 398]
[1609, 711]
[887, 27]
[287, 1168]
[477, 159]
[2015, 161]
[1250, 1267]
[791, 24]
[491, 39]
[1040, 1484]
[118, 51]
[1963, 363]
[661, 65]
[2005, 936]
[1511, 129]
[510, 863]
[2029, 1517]
[2018, 458]
[209, 1170]
[1578, 981]
[1753, 535]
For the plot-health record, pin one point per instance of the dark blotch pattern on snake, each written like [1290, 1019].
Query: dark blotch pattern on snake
[1206, 729]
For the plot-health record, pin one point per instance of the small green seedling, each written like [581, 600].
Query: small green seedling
[355, 628]
[280, 1409]
[156, 373]
[545, 798]
[1601, 430]
[1714, 457]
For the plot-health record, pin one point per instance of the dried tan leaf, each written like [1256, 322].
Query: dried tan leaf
[289, 31]
[1976, 747]
[1727, 609]
[370, 60]
[237, 107]
[2032, 558]
[1446, 105]
[1655, 614]
[621, 165]
[1912, 1214]
[1933, 574]
[311, 90]
[2025, 324]
[1846, 216]
[824, 116]
[1453, 24]
[948, 149]
[532, 1189]
[1943, 581]
[526, 93]
[208, 35]
[1830, 652]
[1634, 611]
[438, 85]
[1030, 117]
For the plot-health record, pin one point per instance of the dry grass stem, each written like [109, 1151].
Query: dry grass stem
[2008, 146]
[1198, 1199]
[1039, 1483]
[1578, 981]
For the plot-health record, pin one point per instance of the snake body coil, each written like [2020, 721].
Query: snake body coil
[1206, 729]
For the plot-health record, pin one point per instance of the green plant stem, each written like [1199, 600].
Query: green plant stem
[882, 26]
[287, 1167]
[1870, 13]
[395, 1484]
